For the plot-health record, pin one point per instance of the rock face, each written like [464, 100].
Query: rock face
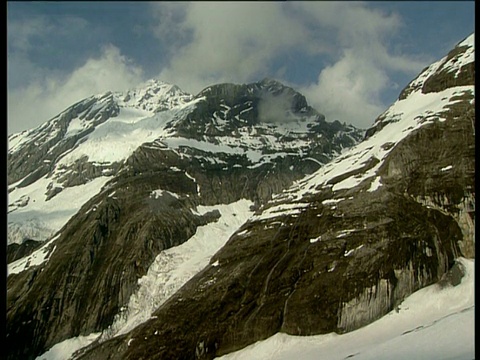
[343, 246]
[277, 280]
[16, 251]
[214, 148]
[47, 142]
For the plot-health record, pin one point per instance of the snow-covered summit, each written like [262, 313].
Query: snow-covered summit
[144, 100]
[154, 96]
[93, 138]
[454, 69]
[82, 147]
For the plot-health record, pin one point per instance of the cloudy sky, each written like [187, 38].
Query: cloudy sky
[350, 59]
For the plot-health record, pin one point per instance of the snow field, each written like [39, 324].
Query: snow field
[43, 218]
[432, 323]
[172, 268]
[117, 138]
[65, 349]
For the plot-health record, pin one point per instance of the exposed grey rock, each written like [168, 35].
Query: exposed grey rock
[415, 167]
[454, 276]
[17, 251]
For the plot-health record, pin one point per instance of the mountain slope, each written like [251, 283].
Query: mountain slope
[344, 246]
[86, 143]
[436, 322]
[123, 179]
[90, 141]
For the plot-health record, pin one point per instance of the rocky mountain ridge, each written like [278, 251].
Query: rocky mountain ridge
[119, 183]
[334, 251]
[92, 140]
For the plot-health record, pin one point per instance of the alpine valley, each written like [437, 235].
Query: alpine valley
[240, 223]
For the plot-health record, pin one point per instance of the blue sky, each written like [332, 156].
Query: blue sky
[350, 59]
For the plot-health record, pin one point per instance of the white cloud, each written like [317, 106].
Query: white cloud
[170, 28]
[237, 42]
[349, 90]
[20, 33]
[45, 97]
[111, 71]
[231, 42]
[208, 43]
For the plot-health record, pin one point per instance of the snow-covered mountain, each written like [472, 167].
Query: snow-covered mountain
[132, 169]
[315, 236]
[84, 145]
[56, 167]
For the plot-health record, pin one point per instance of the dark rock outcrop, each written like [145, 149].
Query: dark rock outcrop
[18, 251]
[436, 166]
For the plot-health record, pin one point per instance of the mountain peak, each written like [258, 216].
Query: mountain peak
[468, 41]
[153, 95]
[226, 109]
[270, 81]
[457, 68]
[155, 84]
